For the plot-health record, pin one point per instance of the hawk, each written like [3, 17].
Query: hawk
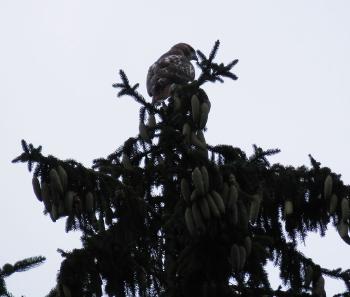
[172, 67]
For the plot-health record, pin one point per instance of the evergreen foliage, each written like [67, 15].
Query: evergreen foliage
[169, 215]
[20, 266]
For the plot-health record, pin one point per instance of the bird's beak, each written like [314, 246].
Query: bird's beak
[194, 56]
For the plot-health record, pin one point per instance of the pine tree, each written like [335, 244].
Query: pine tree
[167, 214]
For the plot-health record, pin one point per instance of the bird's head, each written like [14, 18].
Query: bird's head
[186, 50]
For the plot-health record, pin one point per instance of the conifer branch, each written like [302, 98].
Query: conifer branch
[20, 266]
[212, 71]
[247, 292]
[126, 89]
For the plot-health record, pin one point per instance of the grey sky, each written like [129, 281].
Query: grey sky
[58, 60]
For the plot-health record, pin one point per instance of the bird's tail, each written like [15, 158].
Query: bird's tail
[162, 94]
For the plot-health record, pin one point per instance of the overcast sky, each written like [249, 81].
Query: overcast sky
[58, 60]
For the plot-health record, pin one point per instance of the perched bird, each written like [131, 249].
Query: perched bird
[172, 67]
